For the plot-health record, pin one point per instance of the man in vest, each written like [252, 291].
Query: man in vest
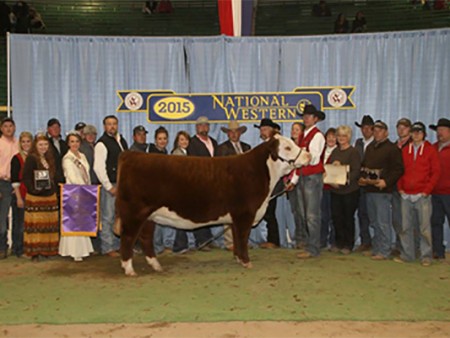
[361, 144]
[106, 156]
[441, 193]
[310, 180]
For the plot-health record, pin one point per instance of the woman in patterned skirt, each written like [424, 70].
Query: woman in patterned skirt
[41, 228]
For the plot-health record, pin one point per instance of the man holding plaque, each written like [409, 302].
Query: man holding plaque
[380, 170]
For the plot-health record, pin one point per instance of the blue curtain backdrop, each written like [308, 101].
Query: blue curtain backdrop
[75, 78]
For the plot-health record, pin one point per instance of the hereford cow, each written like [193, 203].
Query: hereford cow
[190, 192]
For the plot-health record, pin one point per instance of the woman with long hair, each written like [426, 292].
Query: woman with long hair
[180, 145]
[76, 171]
[18, 209]
[41, 227]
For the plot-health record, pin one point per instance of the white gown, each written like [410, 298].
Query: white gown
[75, 246]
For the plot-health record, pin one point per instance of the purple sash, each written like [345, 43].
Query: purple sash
[79, 210]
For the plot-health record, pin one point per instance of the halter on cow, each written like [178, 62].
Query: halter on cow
[191, 192]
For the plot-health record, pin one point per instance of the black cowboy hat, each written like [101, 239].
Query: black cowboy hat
[443, 122]
[367, 120]
[267, 123]
[312, 110]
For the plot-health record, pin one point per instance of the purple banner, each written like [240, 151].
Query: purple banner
[79, 210]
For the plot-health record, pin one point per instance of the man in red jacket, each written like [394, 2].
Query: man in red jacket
[422, 172]
[441, 192]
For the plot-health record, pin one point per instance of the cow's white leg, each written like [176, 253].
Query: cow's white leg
[128, 267]
[153, 262]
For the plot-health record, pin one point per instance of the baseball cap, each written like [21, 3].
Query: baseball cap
[139, 128]
[80, 125]
[380, 124]
[418, 126]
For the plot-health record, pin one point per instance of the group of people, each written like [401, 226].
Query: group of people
[400, 185]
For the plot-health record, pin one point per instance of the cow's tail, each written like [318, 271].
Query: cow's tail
[117, 227]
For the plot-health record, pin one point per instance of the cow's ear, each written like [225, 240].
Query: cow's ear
[274, 144]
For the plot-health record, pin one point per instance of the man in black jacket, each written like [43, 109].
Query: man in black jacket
[58, 146]
[200, 145]
[381, 169]
[233, 146]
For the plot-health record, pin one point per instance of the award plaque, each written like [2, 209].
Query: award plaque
[42, 180]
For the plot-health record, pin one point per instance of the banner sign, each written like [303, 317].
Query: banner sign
[170, 107]
[79, 209]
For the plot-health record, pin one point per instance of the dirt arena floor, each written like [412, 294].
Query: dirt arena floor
[235, 330]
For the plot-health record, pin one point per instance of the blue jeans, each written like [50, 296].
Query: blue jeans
[163, 237]
[310, 198]
[108, 241]
[5, 203]
[18, 218]
[327, 232]
[363, 218]
[416, 215]
[441, 208]
[300, 232]
[397, 217]
[379, 209]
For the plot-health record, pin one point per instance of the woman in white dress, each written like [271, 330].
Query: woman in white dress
[76, 171]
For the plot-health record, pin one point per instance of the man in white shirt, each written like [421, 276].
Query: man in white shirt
[361, 144]
[9, 146]
[310, 181]
[106, 156]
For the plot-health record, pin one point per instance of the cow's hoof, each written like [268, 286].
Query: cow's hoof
[247, 265]
[128, 267]
[131, 273]
[153, 262]
[238, 260]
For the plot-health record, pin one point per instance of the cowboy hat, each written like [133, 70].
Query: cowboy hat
[267, 123]
[443, 122]
[367, 120]
[234, 125]
[312, 110]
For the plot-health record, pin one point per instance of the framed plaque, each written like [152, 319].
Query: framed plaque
[42, 180]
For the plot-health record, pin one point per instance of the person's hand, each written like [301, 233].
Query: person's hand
[20, 203]
[362, 182]
[113, 191]
[335, 186]
[308, 157]
[289, 186]
[336, 163]
[381, 184]
[425, 194]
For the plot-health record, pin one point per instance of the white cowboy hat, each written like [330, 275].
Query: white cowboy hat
[234, 125]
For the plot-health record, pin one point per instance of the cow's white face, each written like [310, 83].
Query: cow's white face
[291, 155]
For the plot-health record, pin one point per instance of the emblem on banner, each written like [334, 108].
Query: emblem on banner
[133, 101]
[337, 98]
